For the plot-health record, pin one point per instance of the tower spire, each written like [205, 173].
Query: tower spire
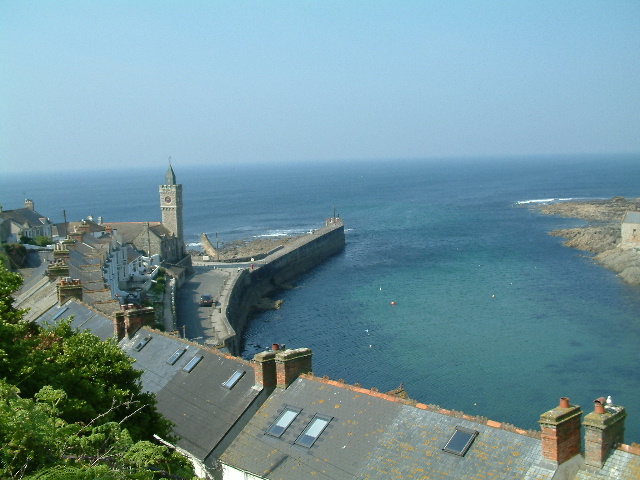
[171, 176]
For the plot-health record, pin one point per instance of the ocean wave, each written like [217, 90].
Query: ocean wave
[282, 233]
[194, 244]
[547, 200]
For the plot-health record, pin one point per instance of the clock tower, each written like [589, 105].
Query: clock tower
[171, 205]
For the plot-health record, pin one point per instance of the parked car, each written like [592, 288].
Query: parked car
[206, 300]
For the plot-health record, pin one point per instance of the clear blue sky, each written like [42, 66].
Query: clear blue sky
[119, 83]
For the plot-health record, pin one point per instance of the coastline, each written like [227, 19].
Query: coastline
[602, 234]
[248, 289]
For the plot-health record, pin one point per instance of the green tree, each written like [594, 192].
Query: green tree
[43, 241]
[27, 240]
[36, 443]
[80, 411]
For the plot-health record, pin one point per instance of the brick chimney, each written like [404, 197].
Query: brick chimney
[69, 288]
[561, 432]
[29, 204]
[84, 227]
[77, 235]
[131, 318]
[264, 364]
[57, 268]
[60, 251]
[290, 364]
[604, 429]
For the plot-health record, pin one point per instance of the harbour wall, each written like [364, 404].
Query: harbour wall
[248, 286]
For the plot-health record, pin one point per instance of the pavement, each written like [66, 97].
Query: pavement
[198, 323]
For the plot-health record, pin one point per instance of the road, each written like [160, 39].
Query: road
[193, 320]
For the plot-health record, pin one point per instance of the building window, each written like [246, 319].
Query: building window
[460, 441]
[192, 363]
[233, 379]
[176, 355]
[285, 419]
[313, 431]
[142, 344]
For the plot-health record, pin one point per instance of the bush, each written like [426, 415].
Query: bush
[17, 254]
[43, 241]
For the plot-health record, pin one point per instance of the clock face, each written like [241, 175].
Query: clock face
[167, 199]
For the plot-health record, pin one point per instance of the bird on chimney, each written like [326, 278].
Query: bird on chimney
[609, 402]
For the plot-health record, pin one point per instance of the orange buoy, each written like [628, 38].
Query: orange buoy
[393, 303]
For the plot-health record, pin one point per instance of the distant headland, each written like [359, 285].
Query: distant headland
[612, 232]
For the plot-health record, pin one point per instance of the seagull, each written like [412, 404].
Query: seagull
[366, 330]
[609, 402]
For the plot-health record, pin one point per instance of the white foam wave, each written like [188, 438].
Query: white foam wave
[194, 244]
[545, 200]
[282, 233]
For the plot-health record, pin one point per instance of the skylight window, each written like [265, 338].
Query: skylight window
[460, 441]
[233, 379]
[284, 420]
[192, 363]
[313, 431]
[174, 358]
[142, 343]
[55, 317]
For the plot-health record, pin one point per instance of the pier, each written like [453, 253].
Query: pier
[239, 287]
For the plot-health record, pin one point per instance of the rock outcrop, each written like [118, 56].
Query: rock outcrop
[601, 235]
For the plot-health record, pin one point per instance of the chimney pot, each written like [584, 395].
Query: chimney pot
[564, 402]
[275, 347]
[604, 429]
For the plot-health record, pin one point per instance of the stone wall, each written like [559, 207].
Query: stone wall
[249, 286]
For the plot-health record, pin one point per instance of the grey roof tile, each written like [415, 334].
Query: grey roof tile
[373, 437]
[202, 409]
[84, 318]
[632, 217]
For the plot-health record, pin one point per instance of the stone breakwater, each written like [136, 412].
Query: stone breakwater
[246, 289]
[602, 234]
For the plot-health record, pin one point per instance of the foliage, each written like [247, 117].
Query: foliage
[36, 443]
[17, 254]
[4, 259]
[79, 411]
[43, 241]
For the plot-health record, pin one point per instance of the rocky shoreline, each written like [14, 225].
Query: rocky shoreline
[601, 235]
[247, 247]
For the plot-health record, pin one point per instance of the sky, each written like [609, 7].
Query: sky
[89, 84]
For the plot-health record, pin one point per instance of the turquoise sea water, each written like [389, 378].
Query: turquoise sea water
[492, 316]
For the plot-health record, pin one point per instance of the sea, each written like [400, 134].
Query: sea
[449, 285]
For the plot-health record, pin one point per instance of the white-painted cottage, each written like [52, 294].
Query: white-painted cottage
[631, 228]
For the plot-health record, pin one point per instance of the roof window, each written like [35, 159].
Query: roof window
[55, 317]
[233, 379]
[460, 441]
[142, 344]
[285, 419]
[192, 363]
[176, 355]
[313, 431]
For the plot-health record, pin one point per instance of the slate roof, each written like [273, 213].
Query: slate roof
[38, 264]
[25, 216]
[632, 217]
[63, 229]
[84, 318]
[131, 230]
[370, 436]
[40, 298]
[620, 465]
[202, 409]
